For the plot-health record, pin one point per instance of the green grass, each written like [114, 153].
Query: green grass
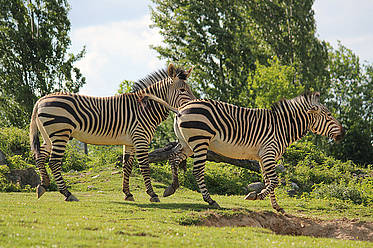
[103, 219]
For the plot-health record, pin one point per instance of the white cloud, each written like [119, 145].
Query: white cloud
[346, 21]
[116, 51]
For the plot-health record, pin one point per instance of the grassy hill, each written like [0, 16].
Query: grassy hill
[103, 219]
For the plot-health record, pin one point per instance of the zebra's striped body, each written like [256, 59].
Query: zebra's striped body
[116, 120]
[242, 133]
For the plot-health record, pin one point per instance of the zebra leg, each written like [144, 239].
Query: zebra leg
[272, 197]
[253, 195]
[41, 158]
[175, 160]
[271, 181]
[128, 156]
[143, 158]
[58, 150]
[200, 157]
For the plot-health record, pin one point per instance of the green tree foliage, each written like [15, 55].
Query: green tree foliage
[125, 86]
[33, 56]
[351, 99]
[288, 27]
[214, 36]
[324, 176]
[252, 53]
[273, 82]
[225, 39]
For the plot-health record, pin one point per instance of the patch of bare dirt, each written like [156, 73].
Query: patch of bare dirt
[294, 225]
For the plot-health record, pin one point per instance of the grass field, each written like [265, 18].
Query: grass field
[103, 219]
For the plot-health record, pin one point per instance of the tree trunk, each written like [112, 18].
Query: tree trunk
[85, 148]
[163, 154]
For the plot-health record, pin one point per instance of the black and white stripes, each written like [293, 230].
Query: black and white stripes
[115, 120]
[242, 133]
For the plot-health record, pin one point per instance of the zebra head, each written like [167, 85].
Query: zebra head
[322, 121]
[179, 91]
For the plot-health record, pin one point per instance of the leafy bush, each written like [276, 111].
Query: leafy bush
[225, 179]
[220, 178]
[326, 177]
[6, 186]
[74, 158]
[338, 191]
[15, 141]
[105, 155]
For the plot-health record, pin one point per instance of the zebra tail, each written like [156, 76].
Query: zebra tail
[161, 101]
[34, 132]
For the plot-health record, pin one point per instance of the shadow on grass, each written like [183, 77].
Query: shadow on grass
[160, 186]
[175, 206]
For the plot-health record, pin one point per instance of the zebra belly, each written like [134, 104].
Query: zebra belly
[102, 140]
[234, 151]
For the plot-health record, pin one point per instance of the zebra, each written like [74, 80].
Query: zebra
[244, 133]
[115, 120]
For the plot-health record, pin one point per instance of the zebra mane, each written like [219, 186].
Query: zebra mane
[306, 97]
[155, 77]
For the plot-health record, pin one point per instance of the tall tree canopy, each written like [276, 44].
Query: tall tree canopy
[252, 53]
[227, 39]
[350, 97]
[288, 27]
[34, 39]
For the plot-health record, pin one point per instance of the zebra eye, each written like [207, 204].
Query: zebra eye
[182, 90]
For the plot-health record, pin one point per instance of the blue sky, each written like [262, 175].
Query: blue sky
[117, 37]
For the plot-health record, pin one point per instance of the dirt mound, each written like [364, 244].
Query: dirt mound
[294, 225]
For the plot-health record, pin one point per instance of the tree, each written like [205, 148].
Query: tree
[34, 40]
[214, 36]
[125, 86]
[274, 82]
[251, 53]
[288, 27]
[350, 98]
[225, 40]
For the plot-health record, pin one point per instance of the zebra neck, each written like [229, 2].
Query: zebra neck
[292, 122]
[156, 111]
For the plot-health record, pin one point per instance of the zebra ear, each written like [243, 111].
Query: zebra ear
[171, 71]
[314, 110]
[317, 96]
[189, 72]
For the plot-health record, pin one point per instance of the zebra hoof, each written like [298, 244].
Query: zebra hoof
[281, 211]
[129, 198]
[169, 191]
[40, 190]
[71, 198]
[251, 196]
[154, 199]
[214, 204]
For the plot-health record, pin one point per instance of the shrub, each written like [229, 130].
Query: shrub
[105, 155]
[17, 162]
[7, 186]
[324, 176]
[225, 179]
[348, 192]
[15, 141]
[220, 178]
[74, 158]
